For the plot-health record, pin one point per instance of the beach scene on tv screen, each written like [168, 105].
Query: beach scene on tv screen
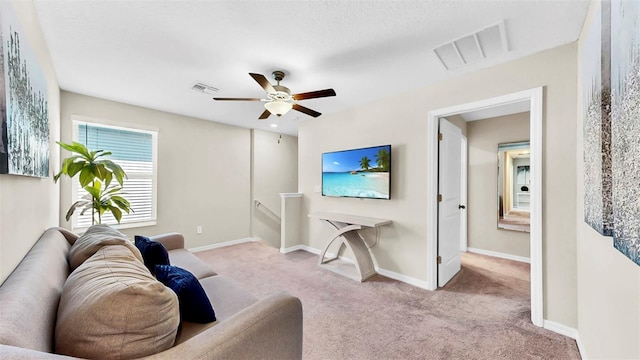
[357, 173]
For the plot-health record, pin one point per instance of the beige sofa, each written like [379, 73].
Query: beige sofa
[246, 327]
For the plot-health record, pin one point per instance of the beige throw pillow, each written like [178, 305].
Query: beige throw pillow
[93, 239]
[112, 308]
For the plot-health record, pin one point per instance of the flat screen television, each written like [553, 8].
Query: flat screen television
[358, 173]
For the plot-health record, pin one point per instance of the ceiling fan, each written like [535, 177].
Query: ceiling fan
[279, 98]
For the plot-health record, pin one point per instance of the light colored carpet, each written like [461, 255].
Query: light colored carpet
[483, 313]
[515, 223]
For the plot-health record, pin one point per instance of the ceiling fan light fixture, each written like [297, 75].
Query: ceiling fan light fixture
[279, 98]
[278, 107]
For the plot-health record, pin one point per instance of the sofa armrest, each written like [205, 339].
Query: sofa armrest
[268, 329]
[71, 237]
[171, 241]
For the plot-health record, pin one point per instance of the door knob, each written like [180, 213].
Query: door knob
[461, 207]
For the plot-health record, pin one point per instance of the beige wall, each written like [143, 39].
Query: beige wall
[608, 282]
[402, 121]
[483, 137]
[458, 121]
[203, 170]
[30, 205]
[275, 171]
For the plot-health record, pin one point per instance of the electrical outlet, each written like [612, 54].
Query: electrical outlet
[199, 229]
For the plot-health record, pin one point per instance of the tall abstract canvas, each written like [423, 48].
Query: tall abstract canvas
[625, 126]
[597, 124]
[24, 140]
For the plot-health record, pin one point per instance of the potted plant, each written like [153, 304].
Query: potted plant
[95, 176]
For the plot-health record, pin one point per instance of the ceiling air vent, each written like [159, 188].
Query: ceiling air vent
[471, 48]
[204, 88]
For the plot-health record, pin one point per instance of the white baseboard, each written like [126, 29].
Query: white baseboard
[566, 331]
[313, 251]
[583, 351]
[223, 244]
[403, 278]
[390, 274]
[300, 247]
[560, 329]
[500, 255]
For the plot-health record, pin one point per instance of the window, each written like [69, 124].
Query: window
[135, 151]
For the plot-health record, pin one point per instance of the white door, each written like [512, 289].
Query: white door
[449, 173]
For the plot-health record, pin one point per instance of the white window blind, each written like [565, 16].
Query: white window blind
[134, 150]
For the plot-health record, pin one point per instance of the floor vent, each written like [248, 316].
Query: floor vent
[470, 48]
[204, 88]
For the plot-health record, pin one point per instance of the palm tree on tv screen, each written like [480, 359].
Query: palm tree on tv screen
[365, 163]
[383, 159]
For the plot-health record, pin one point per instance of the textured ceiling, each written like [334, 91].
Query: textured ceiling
[150, 53]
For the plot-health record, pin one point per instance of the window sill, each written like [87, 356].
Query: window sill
[131, 225]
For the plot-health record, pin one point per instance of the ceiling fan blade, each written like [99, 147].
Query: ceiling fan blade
[266, 85]
[306, 110]
[236, 99]
[314, 94]
[264, 115]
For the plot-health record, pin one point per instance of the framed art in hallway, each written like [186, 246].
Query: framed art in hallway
[625, 126]
[24, 140]
[597, 124]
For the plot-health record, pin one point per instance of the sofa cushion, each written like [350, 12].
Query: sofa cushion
[95, 238]
[185, 259]
[194, 303]
[153, 252]
[226, 296]
[112, 308]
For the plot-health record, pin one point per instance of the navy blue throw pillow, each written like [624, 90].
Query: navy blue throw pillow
[153, 252]
[194, 303]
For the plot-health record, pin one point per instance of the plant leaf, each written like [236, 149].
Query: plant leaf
[78, 204]
[107, 178]
[112, 191]
[74, 168]
[120, 199]
[63, 169]
[86, 176]
[100, 170]
[122, 203]
[69, 147]
[80, 149]
[94, 190]
[104, 153]
[116, 213]
[101, 209]
[116, 169]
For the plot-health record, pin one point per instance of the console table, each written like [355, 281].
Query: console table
[347, 227]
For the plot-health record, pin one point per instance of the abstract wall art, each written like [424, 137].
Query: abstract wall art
[596, 81]
[24, 130]
[625, 126]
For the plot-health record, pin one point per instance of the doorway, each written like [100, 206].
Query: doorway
[533, 98]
